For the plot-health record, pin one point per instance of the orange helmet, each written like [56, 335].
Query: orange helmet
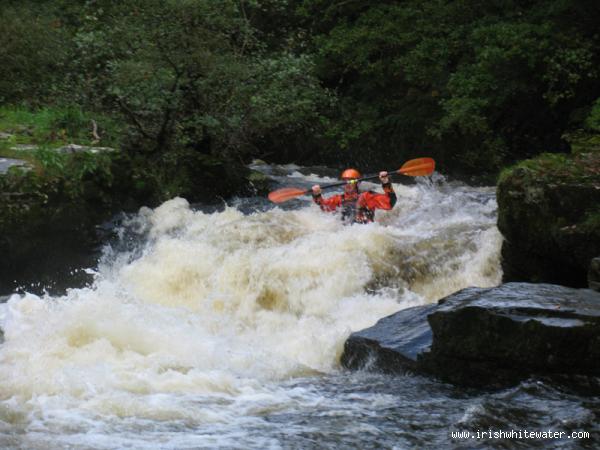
[350, 174]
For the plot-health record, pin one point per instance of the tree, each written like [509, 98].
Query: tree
[33, 53]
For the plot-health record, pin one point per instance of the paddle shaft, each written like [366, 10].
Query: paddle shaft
[415, 167]
[342, 183]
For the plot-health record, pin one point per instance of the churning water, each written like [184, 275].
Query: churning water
[223, 328]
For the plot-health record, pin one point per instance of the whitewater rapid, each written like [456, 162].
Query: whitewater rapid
[209, 320]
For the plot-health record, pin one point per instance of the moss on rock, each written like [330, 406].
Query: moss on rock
[548, 213]
[259, 182]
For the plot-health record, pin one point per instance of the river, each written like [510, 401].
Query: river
[222, 327]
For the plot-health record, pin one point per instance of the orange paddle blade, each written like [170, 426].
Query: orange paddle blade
[284, 194]
[418, 167]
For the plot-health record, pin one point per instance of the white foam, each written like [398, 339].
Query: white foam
[220, 308]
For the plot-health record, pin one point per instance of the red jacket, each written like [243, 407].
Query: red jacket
[359, 207]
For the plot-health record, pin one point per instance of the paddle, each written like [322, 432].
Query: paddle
[415, 168]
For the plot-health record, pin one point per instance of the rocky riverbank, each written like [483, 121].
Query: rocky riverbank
[548, 212]
[55, 193]
[549, 215]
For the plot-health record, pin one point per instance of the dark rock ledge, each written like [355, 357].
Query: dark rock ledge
[487, 337]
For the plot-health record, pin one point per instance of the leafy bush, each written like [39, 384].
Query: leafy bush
[34, 49]
[593, 120]
[475, 84]
[54, 126]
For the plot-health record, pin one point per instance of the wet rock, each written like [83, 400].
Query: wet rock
[392, 344]
[594, 274]
[24, 147]
[7, 163]
[488, 337]
[259, 182]
[69, 148]
[5, 135]
[504, 334]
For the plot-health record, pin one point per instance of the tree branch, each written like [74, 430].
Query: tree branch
[95, 134]
[133, 118]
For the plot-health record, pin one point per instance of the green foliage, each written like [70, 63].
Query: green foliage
[53, 180]
[30, 126]
[553, 168]
[593, 120]
[582, 142]
[58, 182]
[476, 84]
[33, 53]
[56, 126]
[65, 175]
[479, 84]
[186, 73]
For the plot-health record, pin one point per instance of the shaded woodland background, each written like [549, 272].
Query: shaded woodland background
[188, 87]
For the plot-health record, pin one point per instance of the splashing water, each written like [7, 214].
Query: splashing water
[219, 324]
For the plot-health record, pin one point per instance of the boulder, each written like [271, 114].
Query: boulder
[488, 337]
[75, 148]
[69, 148]
[7, 163]
[393, 344]
[24, 147]
[259, 182]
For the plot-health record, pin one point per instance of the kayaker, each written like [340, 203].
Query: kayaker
[357, 207]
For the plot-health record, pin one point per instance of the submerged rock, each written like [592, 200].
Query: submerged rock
[488, 337]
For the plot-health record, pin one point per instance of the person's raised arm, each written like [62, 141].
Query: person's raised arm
[326, 204]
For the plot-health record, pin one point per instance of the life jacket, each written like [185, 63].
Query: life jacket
[348, 203]
[359, 208]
